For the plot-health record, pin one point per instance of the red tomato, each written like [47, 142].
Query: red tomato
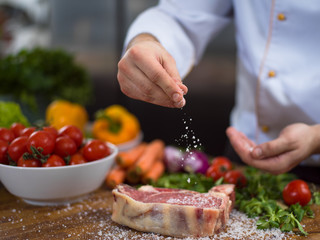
[54, 161]
[219, 167]
[95, 149]
[17, 147]
[17, 128]
[235, 177]
[73, 132]
[41, 140]
[222, 161]
[65, 146]
[52, 131]
[296, 191]
[28, 131]
[6, 135]
[77, 158]
[215, 172]
[3, 152]
[28, 162]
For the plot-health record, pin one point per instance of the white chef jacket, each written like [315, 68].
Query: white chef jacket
[278, 49]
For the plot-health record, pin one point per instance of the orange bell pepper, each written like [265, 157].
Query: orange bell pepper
[116, 125]
[61, 113]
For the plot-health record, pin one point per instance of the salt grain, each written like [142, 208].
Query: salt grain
[239, 227]
[184, 140]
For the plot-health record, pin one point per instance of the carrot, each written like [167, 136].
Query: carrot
[131, 176]
[153, 152]
[116, 176]
[154, 173]
[128, 158]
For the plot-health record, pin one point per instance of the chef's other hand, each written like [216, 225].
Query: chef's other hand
[148, 72]
[295, 143]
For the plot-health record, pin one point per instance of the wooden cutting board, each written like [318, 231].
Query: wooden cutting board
[88, 219]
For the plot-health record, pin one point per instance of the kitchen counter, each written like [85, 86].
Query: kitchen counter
[88, 219]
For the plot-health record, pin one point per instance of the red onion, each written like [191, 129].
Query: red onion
[196, 162]
[173, 159]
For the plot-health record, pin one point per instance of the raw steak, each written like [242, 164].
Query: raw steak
[172, 212]
[228, 189]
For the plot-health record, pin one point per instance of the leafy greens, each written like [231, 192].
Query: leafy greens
[49, 73]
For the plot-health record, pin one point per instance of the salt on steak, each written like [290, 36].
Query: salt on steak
[173, 212]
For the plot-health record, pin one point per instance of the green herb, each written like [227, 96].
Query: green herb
[264, 185]
[315, 197]
[259, 199]
[10, 112]
[190, 181]
[51, 74]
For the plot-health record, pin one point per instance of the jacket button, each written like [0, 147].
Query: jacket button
[281, 17]
[265, 128]
[272, 74]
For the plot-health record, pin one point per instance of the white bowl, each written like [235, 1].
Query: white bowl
[56, 185]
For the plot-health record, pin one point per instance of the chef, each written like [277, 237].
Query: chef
[275, 123]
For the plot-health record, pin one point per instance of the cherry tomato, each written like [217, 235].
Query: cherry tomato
[6, 135]
[17, 128]
[235, 177]
[215, 172]
[41, 140]
[65, 146]
[73, 132]
[95, 149]
[77, 158]
[80, 151]
[17, 147]
[28, 131]
[54, 161]
[52, 131]
[28, 162]
[3, 152]
[296, 191]
[219, 167]
[222, 161]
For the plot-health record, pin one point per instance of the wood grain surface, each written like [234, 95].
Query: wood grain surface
[88, 219]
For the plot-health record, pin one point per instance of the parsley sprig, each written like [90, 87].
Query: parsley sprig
[259, 199]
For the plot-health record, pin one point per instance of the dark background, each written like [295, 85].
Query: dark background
[93, 31]
[211, 83]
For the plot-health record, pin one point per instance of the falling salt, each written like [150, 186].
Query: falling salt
[188, 139]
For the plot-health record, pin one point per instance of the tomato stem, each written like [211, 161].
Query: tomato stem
[36, 154]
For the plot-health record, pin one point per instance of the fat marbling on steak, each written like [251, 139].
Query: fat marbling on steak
[172, 212]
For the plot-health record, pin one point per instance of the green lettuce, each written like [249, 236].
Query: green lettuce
[10, 112]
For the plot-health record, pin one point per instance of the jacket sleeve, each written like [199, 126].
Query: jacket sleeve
[184, 28]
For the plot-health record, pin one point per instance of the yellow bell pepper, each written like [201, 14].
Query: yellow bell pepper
[116, 125]
[61, 113]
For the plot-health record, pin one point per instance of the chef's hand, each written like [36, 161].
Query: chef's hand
[295, 143]
[148, 72]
